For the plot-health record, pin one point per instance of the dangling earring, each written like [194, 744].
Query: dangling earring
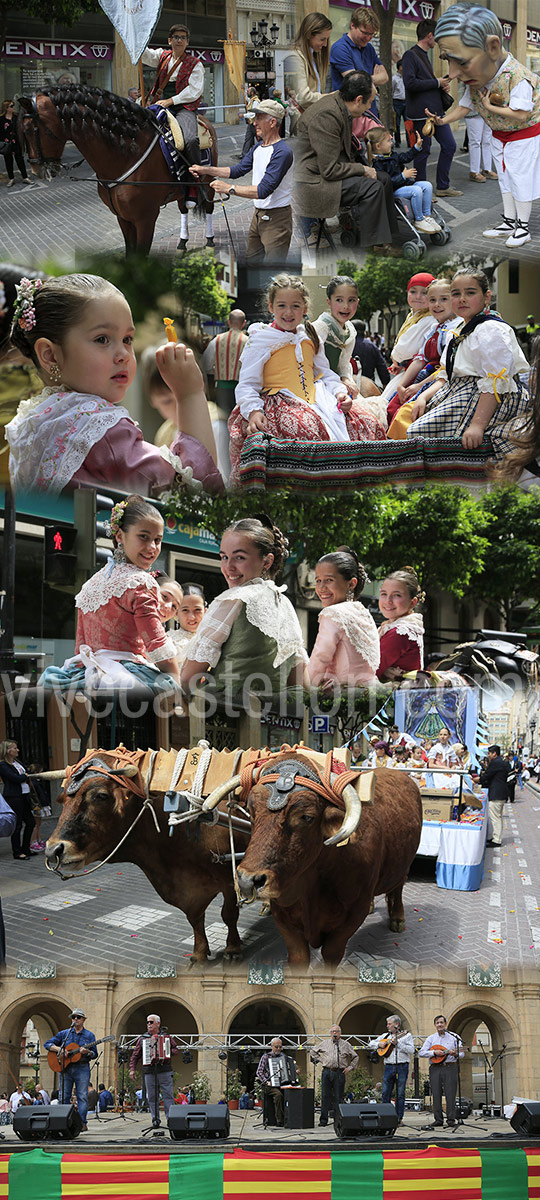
[55, 374]
[350, 594]
[264, 573]
[119, 555]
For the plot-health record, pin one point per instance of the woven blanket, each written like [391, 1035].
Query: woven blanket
[307, 467]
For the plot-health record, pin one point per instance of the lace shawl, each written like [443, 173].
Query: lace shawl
[410, 626]
[52, 434]
[266, 608]
[113, 580]
[358, 626]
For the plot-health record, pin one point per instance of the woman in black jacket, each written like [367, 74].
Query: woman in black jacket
[8, 135]
[17, 794]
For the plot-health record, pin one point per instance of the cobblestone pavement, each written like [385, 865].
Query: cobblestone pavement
[60, 218]
[116, 916]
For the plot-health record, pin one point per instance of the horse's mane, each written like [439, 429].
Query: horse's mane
[115, 119]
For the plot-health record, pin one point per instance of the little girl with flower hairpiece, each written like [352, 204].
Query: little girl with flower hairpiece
[78, 331]
[121, 641]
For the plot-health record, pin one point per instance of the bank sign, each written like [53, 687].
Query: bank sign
[407, 10]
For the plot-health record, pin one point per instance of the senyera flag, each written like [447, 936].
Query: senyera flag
[135, 21]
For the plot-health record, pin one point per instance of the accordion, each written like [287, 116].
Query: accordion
[282, 1070]
[155, 1049]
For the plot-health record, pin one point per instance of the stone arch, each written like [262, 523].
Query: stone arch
[49, 1014]
[265, 1016]
[176, 1017]
[368, 1016]
[503, 1030]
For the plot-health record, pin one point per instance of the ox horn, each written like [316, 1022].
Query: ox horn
[353, 812]
[130, 771]
[49, 774]
[220, 792]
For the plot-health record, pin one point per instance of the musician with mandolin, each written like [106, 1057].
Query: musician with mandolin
[155, 1050]
[442, 1048]
[396, 1047]
[275, 1071]
[70, 1053]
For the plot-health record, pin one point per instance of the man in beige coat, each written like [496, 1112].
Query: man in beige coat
[326, 176]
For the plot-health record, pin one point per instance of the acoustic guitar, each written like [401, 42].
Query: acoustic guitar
[60, 1057]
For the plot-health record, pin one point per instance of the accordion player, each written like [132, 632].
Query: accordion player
[275, 1071]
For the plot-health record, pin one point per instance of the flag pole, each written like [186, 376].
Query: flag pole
[141, 82]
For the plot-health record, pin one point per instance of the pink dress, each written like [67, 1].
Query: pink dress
[346, 651]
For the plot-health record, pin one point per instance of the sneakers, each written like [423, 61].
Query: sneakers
[506, 226]
[520, 235]
[434, 226]
[425, 226]
[478, 177]
[450, 191]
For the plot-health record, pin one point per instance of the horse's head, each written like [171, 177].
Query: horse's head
[40, 129]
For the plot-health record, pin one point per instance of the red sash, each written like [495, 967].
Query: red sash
[516, 135]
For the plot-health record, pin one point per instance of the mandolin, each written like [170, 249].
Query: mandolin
[384, 1049]
[438, 1055]
[60, 1057]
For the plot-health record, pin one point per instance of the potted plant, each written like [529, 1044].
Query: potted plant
[235, 1088]
[201, 1087]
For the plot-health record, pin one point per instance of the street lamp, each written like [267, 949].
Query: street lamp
[532, 727]
[259, 37]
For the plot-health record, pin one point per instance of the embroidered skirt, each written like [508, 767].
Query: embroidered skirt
[451, 410]
[291, 418]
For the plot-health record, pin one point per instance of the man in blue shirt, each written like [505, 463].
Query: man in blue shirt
[105, 1098]
[353, 52]
[78, 1073]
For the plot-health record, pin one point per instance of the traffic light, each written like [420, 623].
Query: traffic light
[60, 565]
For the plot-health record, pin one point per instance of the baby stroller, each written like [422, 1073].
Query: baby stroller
[412, 241]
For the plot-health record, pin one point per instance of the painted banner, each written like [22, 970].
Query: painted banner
[134, 20]
[434, 1173]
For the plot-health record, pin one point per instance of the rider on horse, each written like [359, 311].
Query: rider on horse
[179, 85]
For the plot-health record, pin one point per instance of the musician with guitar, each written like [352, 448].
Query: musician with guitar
[71, 1051]
[442, 1048]
[156, 1052]
[396, 1047]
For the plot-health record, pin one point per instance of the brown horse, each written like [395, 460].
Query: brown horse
[120, 142]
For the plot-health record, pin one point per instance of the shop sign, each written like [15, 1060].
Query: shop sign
[533, 36]
[16, 48]
[407, 10]
[207, 57]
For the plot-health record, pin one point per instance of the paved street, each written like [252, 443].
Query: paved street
[115, 915]
[65, 216]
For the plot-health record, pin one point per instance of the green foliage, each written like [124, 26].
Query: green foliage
[202, 1089]
[196, 284]
[509, 573]
[235, 1085]
[360, 1083]
[62, 12]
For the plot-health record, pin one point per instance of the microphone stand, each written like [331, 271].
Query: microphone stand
[63, 1062]
[499, 1060]
[458, 1119]
[488, 1116]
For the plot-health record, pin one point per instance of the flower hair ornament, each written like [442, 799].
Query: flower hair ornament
[24, 313]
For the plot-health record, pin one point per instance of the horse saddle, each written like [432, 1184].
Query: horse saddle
[203, 132]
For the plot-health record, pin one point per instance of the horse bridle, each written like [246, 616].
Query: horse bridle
[36, 120]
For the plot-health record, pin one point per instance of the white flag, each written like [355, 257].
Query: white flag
[135, 21]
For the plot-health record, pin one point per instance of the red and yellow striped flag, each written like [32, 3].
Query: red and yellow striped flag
[432, 1174]
[126, 1177]
[286, 1176]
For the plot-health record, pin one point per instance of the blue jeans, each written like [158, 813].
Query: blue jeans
[391, 1070]
[420, 194]
[78, 1075]
[443, 134]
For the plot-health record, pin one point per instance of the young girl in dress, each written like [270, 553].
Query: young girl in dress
[335, 329]
[523, 462]
[251, 632]
[346, 650]
[121, 642]
[413, 331]
[402, 631]
[426, 360]
[78, 331]
[286, 387]
[478, 391]
[189, 611]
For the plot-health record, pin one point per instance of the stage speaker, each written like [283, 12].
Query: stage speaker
[526, 1119]
[299, 1109]
[365, 1120]
[199, 1121]
[35, 1122]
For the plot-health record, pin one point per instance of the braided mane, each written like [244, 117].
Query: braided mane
[99, 113]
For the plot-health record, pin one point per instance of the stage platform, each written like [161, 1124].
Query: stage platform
[344, 1171]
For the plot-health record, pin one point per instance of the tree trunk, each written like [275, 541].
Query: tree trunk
[386, 18]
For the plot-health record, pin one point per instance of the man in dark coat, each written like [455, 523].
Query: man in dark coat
[494, 779]
[327, 176]
[424, 90]
[369, 356]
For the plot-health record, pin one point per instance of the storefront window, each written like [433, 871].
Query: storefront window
[29, 66]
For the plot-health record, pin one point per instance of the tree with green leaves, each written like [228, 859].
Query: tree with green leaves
[509, 573]
[60, 12]
[197, 286]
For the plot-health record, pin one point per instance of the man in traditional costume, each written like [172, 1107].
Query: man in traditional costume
[179, 85]
[507, 95]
